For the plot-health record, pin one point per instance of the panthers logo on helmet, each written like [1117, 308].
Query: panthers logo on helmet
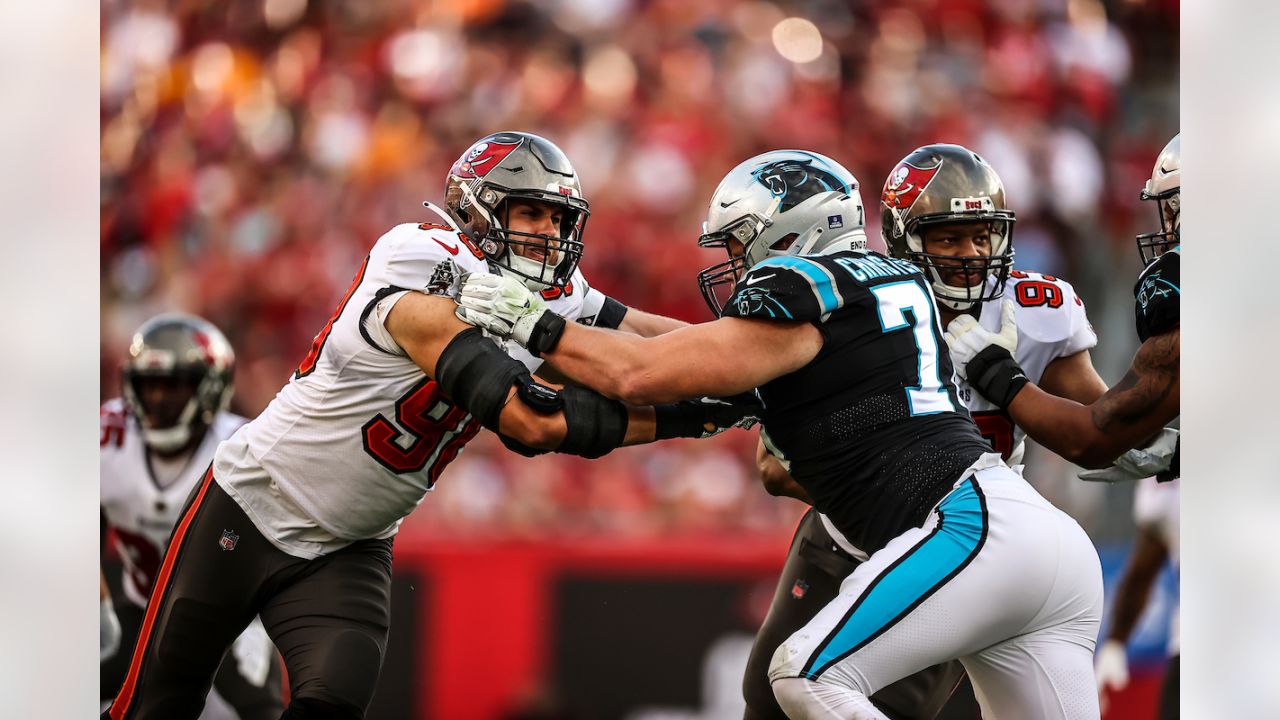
[795, 181]
[905, 184]
[483, 157]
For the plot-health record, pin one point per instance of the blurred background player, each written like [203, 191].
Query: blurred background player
[1137, 408]
[295, 518]
[156, 444]
[842, 345]
[943, 208]
[1157, 517]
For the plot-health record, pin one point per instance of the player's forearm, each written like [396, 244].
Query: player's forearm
[1135, 586]
[1064, 426]
[599, 359]
[639, 322]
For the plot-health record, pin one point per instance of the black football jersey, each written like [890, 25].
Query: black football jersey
[872, 426]
[1157, 295]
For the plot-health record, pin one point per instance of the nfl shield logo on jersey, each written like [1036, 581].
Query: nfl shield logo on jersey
[228, 541]
[799, 589]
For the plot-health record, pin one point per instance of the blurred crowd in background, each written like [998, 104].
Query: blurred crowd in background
[253, 150]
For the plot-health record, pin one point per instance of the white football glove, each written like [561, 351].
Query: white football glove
[1138, 463]
[253, 652]
[109, 633]
[500, 305]
[966, 337]
[1111, 666]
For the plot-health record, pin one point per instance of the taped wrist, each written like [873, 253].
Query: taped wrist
[477, 375]
[545, 334]
[597, 425]
[679, 420]
[996, 375]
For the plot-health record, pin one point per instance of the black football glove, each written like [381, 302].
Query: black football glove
[706, 417]
[996, 375]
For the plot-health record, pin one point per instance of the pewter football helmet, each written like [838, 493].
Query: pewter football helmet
[783, 202]
[518, 165]
[1164, 188]
[941, 184]
[179, 347]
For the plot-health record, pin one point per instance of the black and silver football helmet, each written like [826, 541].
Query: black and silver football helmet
[941, 184]
[518, 165]
[180, 348]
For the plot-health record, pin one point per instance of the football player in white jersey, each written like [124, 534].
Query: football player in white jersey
[295, 518]
[1156, 514]
[156, 443]
[1146, 399]
[942, 208]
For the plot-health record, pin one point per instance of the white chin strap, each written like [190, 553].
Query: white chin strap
[166, 440]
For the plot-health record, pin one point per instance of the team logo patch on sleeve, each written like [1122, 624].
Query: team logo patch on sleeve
[443, 280]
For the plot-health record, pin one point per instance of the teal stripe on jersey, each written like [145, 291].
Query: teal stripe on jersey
[911, 580]
[818, 276]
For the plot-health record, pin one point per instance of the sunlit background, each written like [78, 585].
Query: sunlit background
[252, 151]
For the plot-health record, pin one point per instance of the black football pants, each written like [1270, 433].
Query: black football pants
[250, 701]
[329, 617]
[810, 579]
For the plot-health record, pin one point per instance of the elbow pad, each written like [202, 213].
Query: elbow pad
[477, 375]
[597, 425]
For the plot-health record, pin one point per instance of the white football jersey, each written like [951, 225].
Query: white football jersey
[359, 434]
[1051, 324]
[140, 509]
[1156, 508]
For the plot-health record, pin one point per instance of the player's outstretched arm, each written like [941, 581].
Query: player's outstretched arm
[1126, 416]
[502, 395]
[645, 324]
[721, 358]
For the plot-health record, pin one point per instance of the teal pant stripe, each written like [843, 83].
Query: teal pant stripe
[910, 580]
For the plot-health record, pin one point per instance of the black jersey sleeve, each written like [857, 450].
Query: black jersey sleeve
[1157, 295]
[785, 288]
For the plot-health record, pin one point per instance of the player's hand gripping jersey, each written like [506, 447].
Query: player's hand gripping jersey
[384, 429]
[1051, 324]
[878, 454]
[140, 509]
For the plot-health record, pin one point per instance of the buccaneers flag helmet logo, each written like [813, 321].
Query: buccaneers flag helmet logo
[482, 158]
[905, 184]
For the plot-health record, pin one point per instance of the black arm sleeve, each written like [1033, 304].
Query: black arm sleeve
[477, 375]
[611, 314]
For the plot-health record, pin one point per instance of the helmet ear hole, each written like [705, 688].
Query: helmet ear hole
[784, 242]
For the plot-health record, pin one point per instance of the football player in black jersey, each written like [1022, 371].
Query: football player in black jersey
[967, 254]
[844, 347]
[1147, 398]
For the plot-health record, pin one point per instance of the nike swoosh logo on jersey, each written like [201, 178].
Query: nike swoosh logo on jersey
[758, 278]
[453, 249]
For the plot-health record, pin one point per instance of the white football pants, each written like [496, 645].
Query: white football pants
[996, 576]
